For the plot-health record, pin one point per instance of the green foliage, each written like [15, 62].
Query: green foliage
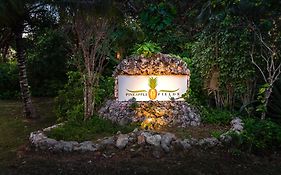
[104, 90]
[87, 130]
[9, 82]
[69, 102]
[224, 46]
[258, 135]
[158, 17]
[134, 105]
[146, 49]
[195, 94]
[216, 134]
[261, 98]
[157, 22]
[216, 116]
[47, 63]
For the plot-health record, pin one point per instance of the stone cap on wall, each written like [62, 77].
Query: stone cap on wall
[158, 64]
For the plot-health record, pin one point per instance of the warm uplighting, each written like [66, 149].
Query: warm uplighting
[153, 123]
[118, 55]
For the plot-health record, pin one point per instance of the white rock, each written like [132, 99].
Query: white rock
[236, 121]
[237, 127]
[35, 137]
[107, 141]
[166, 140]
[193, 123]
[225, 138]
[85, 147]
[122, 141]
[135, 130]
[52, 127]
[209, 142]
[154, 140]
[68, 145]
[146, 134]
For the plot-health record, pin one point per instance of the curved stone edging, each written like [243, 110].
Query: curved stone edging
[166, 141]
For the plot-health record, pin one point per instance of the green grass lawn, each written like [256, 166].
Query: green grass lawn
[92, 129]
[15, 129]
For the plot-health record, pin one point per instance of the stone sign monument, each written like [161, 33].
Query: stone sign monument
[149, 90]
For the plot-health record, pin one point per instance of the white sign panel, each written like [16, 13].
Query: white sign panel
[145, 88]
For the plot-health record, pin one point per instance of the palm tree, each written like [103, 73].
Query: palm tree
[15, 16]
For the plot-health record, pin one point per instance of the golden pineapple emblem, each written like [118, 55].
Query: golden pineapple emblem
[152, 83]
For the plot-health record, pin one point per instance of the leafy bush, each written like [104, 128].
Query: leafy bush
[158, 23]
[195, 94]
[47, 63]
[259, 135]
[9, 81]
[216, 116]
[69, 103]
[104, 90]
[87, 130]
[220, 57]
[146, 49]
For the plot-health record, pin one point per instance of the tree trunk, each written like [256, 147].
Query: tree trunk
[4, 54]
[29, 110]
[88, 97]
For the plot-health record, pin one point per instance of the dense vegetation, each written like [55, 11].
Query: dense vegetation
[225, 43]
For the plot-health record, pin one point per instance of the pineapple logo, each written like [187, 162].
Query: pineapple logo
[152, 83]
[152, 93]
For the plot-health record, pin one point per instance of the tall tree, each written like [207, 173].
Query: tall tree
[15, 18]
[92, 23]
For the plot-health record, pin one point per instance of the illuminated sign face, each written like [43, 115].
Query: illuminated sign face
[145, 88]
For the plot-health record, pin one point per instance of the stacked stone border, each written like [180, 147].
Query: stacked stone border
[164, 141]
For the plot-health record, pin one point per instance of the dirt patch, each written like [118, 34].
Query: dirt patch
[196, 161]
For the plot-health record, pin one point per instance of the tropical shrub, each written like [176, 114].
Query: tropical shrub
[157, 20]
[220, 56]
[258, 135]
[146, 49]
[216, 116]
[47, 63]
[69, 102]
[9, 81]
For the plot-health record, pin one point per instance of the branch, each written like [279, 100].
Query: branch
[253, 61]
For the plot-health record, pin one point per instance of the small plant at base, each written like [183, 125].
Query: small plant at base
[146, 49]
[216, 134]
[217, 116]
[134, 105]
